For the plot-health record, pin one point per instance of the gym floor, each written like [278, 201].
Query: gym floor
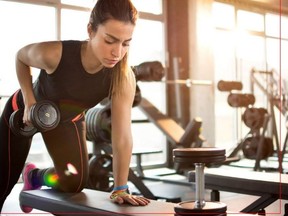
[234, 202]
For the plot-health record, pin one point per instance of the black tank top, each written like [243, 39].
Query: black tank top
[70, 86]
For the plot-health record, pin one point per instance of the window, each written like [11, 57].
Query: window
[86, 3]
[149, 47]
[223, 15]
[250, 21]
[74, 24]
[273, 25]
[244, 39]
[154, 6]
[21, 24]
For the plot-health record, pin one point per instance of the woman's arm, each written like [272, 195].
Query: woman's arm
[122, 142]
[45, 55]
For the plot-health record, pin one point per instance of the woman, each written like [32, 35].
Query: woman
[76, 75]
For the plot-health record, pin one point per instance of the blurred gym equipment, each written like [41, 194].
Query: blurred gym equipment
[255, 145]
[228, 86]
[271, 84]
[190, 137]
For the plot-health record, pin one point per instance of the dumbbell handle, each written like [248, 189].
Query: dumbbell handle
[200, 185]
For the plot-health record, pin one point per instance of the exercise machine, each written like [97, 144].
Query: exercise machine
[277, 97]
[255, 145]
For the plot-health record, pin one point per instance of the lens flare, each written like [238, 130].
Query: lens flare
[52, 179]
[71, 170]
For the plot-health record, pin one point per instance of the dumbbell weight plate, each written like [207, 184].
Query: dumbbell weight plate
[204, 160]
[229, 85]
[210, 208]
[98, 124]
[254, 117]
[198, 152]
[18, 127]
[44, 115]
[199, 155]
[251, 144]
[240, 100]
[100, 171]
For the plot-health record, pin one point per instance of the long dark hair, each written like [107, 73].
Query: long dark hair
[121, 10]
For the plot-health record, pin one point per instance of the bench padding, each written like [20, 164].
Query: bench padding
[88, 202]
[91, 202]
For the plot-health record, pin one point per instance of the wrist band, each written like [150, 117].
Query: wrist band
[118, 193]
[122, 187]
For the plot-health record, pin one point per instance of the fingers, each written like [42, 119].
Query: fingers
[26, 119]
[133, 200]
[121, 195]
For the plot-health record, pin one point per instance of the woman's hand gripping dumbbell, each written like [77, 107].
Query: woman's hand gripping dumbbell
[44, 116]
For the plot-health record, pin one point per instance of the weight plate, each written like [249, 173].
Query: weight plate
[45, 115]
[198, 152]
[254, 117]
[17, 127]
[213, 208]
[250, 147]
[100, 171]
[98, 124]
[205, 160]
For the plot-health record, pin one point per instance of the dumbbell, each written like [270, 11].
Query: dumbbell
[229, 85]
[199, 157]
[44, 116]
[251, 145]
[240, 100]
[100, 172]
[254, 118]
[98, 124]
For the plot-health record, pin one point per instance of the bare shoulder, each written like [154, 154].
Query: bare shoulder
[44, 55]
[51, 54]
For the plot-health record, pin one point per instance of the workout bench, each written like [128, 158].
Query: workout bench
[269, 186]
[90, 202]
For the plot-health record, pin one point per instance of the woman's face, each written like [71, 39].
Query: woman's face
[111, 41]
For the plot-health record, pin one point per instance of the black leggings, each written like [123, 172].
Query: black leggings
[66, 145]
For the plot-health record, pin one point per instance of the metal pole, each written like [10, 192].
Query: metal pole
[178, 95]
[200, 185]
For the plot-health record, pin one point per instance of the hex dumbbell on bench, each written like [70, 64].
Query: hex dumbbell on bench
[199, 157]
